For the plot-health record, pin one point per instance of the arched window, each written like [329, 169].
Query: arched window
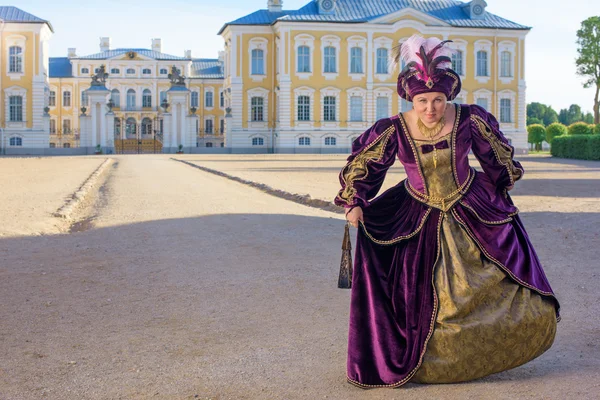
[146, 71]
[115, 71]
[147, 98]
[194, 99]
[208, 100]
[163, 71]
[97, 70]
[258, 62]
[506, 64]
[15, 62]
[304, 141]
[131, 128]
[330, 141]
[146, 126]
[85, 70]
[130, 71]
[115, 96]
[131, 99]
[16, 141]
[258, 141]
[382, 60]
[303, 59]
[117, 127]
[209, 144]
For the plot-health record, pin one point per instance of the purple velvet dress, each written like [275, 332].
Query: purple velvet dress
[416, 239]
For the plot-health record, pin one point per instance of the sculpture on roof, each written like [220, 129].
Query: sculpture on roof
[176, 78]
[100, 78]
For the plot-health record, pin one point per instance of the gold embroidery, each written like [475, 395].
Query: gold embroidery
[490, 222]
[357, 169]
[399, 238]
[453, 144]
[502, 151]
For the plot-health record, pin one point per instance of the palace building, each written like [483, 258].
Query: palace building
[313, 79]
[307, 80]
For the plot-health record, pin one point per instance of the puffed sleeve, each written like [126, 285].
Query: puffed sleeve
[373, 153]
[492, 150]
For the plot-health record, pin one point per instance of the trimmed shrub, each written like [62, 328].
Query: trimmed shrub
[554, 130]
[597, 129]
[579, 128]
[581, 147]
[536, 134]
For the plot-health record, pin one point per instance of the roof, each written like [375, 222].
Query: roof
[362, 11]
[60, 67]
[104, 55]
[207, 68]
[14, 14]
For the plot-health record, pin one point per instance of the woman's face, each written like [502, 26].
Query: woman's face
[430, 107]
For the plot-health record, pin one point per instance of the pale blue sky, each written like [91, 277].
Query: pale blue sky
[551, 47]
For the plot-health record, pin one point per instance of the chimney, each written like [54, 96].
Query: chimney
[275, 5]
[156, 45]
[104, 44]
[187, 53]
[72, 52]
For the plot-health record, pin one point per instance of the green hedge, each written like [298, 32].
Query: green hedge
[581, 147]
[579, 128]
[597, 129]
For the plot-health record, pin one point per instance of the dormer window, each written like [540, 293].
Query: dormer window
[130, 71]
[163, 71]
[97, 70]
[85, 70]
[146, 71]
[475, 9]
[115, 71]
[327, 6]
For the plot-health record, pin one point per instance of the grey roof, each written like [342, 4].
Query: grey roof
[14, 14]
[357, 11]
[60, 67]
[144, 52]
[207, 68]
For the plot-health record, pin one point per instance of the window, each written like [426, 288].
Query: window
[258, 62]
[115, 96]
[303, 108]
[131, 98]
[85, 70]
[303, 59]
[221, 99]
[163, 97]
[146, 71]
[66, 126]
[52, 99]
[97, 70]
[382, 61]
[258, 141]
[330, 60]
[16, 141]
[222, 126]
[146, 126]
[208, 99]
[330, 141]
[194, 99]
[146, 98]
[15, 63]
[329, 108]
[482, 102]
[115, 71]
[163, 71]
[304, 141]
[356, 60]
[258, 109]
[405, 105]
[118, 127]
[84, 98]
[222, 144]
[356, 108]
[208, 126]
[67, 99]
[457, 62]
[506, 64]
[382, 108]
[66, 145]
[16, 108]
[209, 144]
[52, 145]
[130, 71]
[52, 126]
[482, 63]
[505, 111]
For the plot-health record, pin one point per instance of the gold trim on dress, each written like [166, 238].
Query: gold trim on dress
[502, 151]
[357, 169]
[489, 222]
[399, 238]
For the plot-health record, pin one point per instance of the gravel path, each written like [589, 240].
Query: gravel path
[187, 285]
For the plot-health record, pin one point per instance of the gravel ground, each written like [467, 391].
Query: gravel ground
[179, 284]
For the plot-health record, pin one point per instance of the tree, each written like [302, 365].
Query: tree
[588, 61]
[534, 121]
[571, 115]
[538, 113]
[588, 118]
[536, 134]
[554, 130]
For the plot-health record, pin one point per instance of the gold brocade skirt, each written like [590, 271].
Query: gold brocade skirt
[486, 323]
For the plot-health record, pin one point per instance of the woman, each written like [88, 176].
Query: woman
[446, 285]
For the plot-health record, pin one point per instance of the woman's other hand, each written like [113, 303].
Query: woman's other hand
[355, 215]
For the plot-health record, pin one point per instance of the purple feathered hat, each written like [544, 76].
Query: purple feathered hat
[428, 68]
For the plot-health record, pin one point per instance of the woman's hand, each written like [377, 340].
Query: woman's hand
[355, 215]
